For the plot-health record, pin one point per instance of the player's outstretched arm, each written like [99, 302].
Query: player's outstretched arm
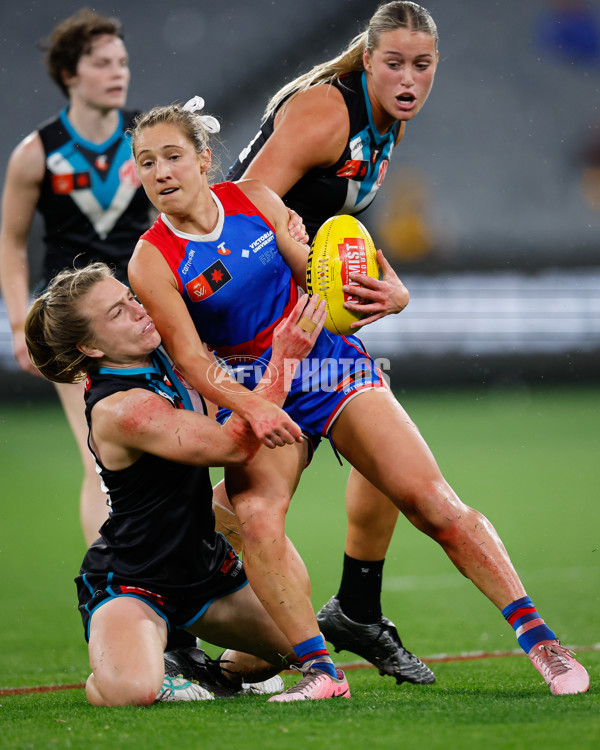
[130, 423]
[293, 339]
[154, 284]
[127, 424]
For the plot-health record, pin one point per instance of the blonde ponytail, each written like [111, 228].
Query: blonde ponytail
[348, 61]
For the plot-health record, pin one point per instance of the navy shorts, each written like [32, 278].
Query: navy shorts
[178, 605]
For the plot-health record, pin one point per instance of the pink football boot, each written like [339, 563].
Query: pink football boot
[563, 674]
[315, 685]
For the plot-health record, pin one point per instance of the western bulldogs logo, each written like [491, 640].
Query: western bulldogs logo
[208, 282]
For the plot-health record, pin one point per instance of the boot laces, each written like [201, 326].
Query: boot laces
[310, 675]
[554, 658]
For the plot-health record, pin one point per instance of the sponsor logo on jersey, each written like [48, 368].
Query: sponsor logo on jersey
[231, 561]
[141, 592]
[100, 197]
[208, 282]
[382, 170]
[170, 397]
[188, 262]
[128, 175]
[354, 169]
[181, 379]
[263, 240]
[101, 163]
[63, 184]
[222, 250]
[363, 372]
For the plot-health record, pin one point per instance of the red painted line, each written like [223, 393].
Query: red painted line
[40, 689]
[442, 658]
[472, 656]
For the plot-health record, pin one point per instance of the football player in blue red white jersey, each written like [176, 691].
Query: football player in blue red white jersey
[236, 313]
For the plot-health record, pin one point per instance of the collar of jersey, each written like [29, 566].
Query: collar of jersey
[99, 148]
[378, 137]
[212, 236]
[152, 370]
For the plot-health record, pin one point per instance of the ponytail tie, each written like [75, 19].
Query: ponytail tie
[196, 104]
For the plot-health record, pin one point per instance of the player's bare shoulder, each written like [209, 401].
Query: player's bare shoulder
[316, 119]
[320, 100]
[124, 413]
[28, 160]
[265, 199]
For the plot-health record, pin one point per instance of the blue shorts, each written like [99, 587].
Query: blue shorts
[179, 605]
[337, 369]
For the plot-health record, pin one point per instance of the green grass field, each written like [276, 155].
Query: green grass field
[527, 458]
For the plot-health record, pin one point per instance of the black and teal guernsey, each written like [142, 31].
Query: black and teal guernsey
[160, 534]
[348, 186]
[91, 198]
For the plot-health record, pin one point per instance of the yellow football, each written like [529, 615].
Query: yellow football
[341, 246]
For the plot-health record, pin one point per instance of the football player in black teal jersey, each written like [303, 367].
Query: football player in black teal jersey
[159, 565]
[76, 170]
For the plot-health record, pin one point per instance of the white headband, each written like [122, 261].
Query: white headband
[196, 105]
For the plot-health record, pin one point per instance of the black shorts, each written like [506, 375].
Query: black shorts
[179, 605]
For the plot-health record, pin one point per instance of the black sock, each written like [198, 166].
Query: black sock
[360, 589]
[180, 639]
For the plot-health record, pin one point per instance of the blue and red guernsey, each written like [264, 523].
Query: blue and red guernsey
[235, 283]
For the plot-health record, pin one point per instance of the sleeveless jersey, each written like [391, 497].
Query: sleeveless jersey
[91, 198]
[160, 531]
[235, 283]
[348, 186]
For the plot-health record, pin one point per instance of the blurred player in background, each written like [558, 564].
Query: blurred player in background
[158, 565]
[219, 267]
[324, 147]
[77, 171]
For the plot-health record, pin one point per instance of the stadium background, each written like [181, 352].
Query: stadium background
[491, 208]
[495, 236]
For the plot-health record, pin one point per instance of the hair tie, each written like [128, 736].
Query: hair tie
[196, 104]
